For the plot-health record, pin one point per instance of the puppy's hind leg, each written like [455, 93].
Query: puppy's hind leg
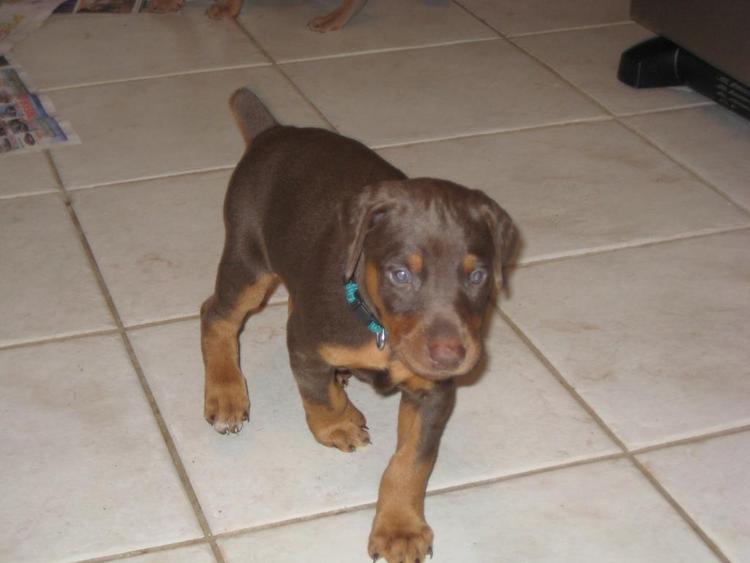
[242, 287]
[332, 418]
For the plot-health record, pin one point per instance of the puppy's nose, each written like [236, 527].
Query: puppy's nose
[447, 352]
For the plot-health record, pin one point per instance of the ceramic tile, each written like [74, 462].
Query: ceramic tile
[527, 421]
[281, 27]
[191, 554]
[512, 17]
[542, 518]
[710, 480]
[47, 287]
[589, 59]
[164, 126]
[653, 338]
[576, 188]
[91, 476]
[26, 174]
[157, 243]
[712, 140]
[420, 94]
[93, 48]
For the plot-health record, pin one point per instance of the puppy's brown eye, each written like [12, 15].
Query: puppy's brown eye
[400, 276]
[477, 277]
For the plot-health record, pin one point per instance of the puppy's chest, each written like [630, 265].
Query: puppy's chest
[376, 366]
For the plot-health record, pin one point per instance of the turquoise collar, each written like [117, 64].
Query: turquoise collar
[362, 311]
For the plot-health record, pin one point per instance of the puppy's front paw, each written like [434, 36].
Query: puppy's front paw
[347, 432]
[398, 537]
[227, 407]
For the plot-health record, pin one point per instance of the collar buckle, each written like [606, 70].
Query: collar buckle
[362, 311]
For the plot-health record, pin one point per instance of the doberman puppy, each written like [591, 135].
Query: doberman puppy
[389, 279]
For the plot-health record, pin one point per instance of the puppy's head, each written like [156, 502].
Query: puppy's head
[429, 255]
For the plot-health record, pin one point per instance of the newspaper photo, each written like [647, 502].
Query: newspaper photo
[27, 120]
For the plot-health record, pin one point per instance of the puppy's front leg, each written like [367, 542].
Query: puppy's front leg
[399, 531]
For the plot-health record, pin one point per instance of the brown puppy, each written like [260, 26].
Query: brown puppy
[320, 212]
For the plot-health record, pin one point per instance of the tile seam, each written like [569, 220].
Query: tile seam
[639, 466]
[685, 166]
[177, 463]
[53, 89]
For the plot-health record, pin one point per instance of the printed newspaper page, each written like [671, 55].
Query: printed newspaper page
[27, 120]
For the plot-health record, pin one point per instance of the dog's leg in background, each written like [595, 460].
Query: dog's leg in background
[338, 18]
[224, 8]
[333, 419]
[242, 286]
[399, 531]
[164, 6]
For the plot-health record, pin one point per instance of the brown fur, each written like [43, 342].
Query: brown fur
[316, 209]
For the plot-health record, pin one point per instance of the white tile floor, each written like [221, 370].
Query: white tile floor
[612, 422]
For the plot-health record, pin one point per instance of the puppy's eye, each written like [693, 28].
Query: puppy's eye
[477, 277]
[400, 276]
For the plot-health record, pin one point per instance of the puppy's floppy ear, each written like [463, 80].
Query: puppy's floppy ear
[506, 239]
[359, 216]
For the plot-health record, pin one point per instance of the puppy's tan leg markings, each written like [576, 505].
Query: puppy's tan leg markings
[399, 531]
[226, 401]
[337, 423]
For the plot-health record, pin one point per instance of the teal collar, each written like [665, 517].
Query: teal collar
[363, 313]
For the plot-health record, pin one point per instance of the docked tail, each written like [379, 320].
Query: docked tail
[251, 115]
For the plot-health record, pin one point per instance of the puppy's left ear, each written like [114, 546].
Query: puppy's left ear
[506, 238]
[360, 215]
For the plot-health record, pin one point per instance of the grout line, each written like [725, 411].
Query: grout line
[684, 166]
[677, 507]
[613, 436]
[52, 89]
[111, 331]
[144, 551]
[365, 506]
[10, 197]
[617, 118]
[630, 245]
[669, 109]
[499, 131]
[208, 170]
[692, 439]
[183, 318]
[572, 28]
[383, 50]
[291, 82]
[432, 492]
[61, 338]
[536, 351]
[159, 419]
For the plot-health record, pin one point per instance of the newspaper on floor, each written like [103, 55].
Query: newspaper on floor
[27, 120]
[19, 18]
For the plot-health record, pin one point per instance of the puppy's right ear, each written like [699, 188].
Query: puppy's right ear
[359, 217]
